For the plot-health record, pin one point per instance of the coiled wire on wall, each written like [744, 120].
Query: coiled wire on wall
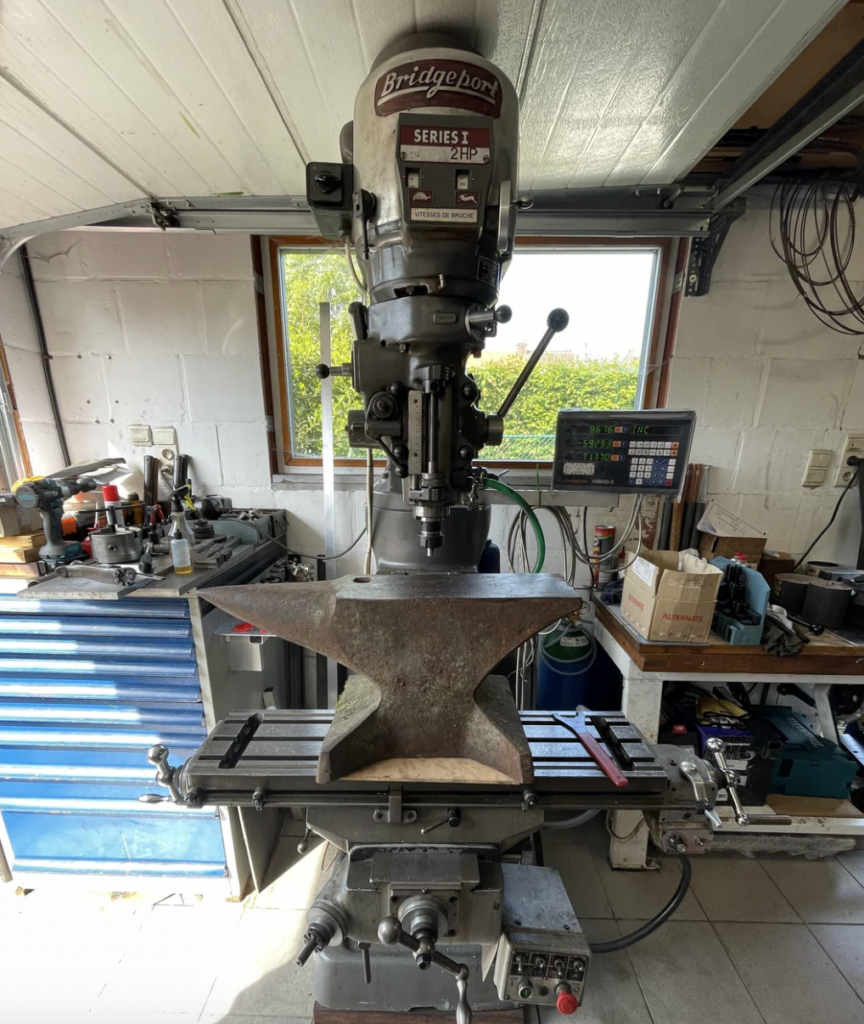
[812, 228]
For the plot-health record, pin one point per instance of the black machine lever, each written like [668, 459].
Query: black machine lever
[165, 773]
[555, 322]
[391, 932]
[453, 819]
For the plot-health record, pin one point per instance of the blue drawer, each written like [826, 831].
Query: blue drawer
[107, 687]
[102, 712]
[187, 845]
[27, 665]
[78, 626]
[132, 608]
[85, 688]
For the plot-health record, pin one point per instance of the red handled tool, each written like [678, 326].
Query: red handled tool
[601, 758]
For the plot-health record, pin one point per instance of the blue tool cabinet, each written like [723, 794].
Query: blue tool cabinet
[85, 688]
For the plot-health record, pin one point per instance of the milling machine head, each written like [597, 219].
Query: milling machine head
[425, 200]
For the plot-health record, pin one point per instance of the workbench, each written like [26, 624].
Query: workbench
[645, 667]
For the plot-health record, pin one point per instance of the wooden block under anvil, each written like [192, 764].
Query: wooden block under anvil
[423, 646]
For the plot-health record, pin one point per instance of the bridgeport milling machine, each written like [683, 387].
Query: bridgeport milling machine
[426, 776]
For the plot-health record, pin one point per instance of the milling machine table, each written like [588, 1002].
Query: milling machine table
[275, 752]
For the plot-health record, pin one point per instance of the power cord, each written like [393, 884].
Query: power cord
[830, 522]
[614, 945]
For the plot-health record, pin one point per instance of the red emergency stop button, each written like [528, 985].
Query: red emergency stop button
[567, 1003]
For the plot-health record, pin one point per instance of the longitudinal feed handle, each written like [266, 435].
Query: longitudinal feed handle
[716, 748]
[158, 755]
[555, 322]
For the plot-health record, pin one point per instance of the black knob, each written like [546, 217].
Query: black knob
[401, 471]
[327, 181]
[503, 315]
[558, 319]
[466, 452]
[469, 391]
[322, 371]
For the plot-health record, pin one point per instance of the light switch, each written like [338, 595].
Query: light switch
[463, 182]
[816, 471]
[413, 179]
[140, 435]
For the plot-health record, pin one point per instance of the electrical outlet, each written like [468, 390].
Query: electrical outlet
[165, 441]
[854, 446]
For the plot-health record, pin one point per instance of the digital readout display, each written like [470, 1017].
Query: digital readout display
[589, 429]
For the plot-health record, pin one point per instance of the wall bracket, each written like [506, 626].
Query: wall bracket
[705, 249]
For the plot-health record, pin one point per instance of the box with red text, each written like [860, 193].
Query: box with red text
[669, 595]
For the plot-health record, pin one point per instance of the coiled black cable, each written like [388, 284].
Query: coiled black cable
[812, 228]
[651, 926]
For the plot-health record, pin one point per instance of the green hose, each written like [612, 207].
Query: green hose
[496, 485]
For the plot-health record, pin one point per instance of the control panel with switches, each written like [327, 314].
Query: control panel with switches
[543, 955]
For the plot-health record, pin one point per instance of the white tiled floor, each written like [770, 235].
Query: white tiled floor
[772, 941]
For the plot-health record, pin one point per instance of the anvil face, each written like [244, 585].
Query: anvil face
[422, 645]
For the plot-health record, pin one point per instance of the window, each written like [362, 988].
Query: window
[611, 291]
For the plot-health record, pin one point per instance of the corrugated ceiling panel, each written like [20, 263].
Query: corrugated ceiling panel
[45, 171]
[312, 74]
[613, 84]
[759, 58]
[167, 92]
[106, 100]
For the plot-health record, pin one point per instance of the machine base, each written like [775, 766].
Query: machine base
[321, 1015]
[397, 984]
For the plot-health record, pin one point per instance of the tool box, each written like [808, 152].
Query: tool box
[742, 602]
[802, 762]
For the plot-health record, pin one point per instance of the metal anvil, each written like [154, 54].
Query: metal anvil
[424, 646]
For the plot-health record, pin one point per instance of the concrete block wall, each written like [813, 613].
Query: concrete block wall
[146, 328]
[769, 383]
[159, 329]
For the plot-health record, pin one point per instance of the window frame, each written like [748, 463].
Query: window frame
[654, 371]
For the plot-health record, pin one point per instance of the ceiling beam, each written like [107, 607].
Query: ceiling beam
[833, 96]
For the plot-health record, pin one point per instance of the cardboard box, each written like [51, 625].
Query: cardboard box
[15, 520]
[772, 563]
[723, 533]
[670, 595]
[727, 547]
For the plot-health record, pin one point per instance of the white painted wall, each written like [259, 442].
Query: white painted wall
[161, 329]
[146, 328]
[18, 333]
[769, 383]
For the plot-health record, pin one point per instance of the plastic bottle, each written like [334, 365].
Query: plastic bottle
[181, 556]
[112, 499]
